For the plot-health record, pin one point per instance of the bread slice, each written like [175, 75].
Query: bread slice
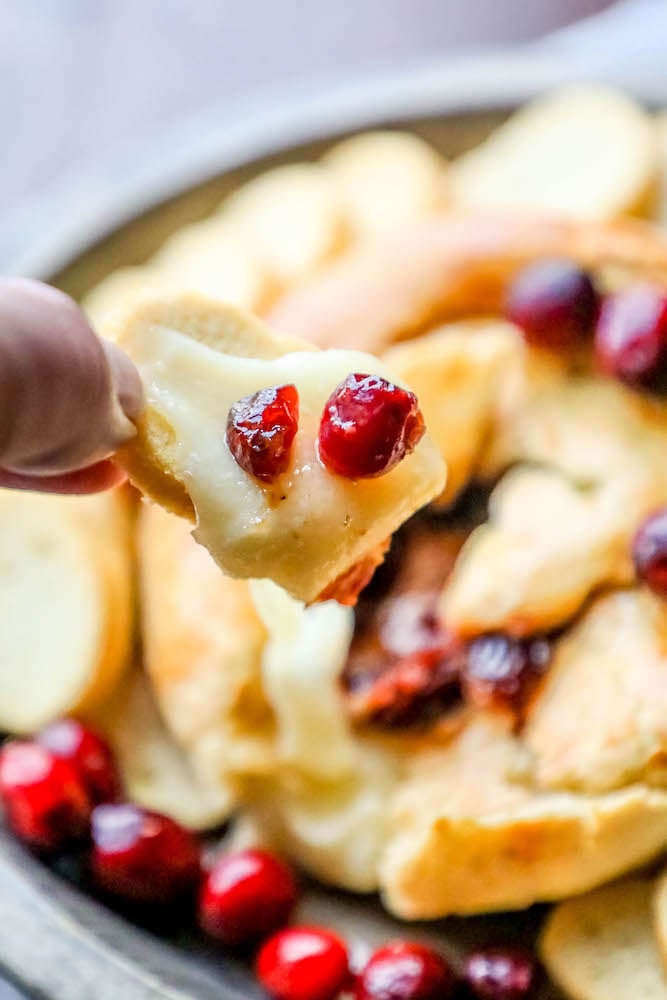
[582, 152]
[292, 217]
[459, 373]
[110, 302]
[66, 604]
[196, 358]
[202, 642]
[602, 947]
[155, 771]
[385, 180]
[469, 835]
[450, 266]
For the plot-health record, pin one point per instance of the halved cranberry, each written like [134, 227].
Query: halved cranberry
[261, 429]
[495, 974]
[631, 337]
[368, 426]
[554, 304]
[405, 971]
[499, 671]
[245, 896]
[45, 798]
[303, 963]
[141, 855]
[649, 550]
[88, 752]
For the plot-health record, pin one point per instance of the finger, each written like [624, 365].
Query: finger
[126, 380]
[93, 479]
[61, 393]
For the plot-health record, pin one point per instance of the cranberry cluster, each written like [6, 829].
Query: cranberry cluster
[368, 426]
[63, 787]
[556, 306]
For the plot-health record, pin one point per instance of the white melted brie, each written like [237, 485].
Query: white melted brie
[310, 526]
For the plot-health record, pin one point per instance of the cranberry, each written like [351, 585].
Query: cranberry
[261, 429]
[631, 337]
[500, 975]
[142, 855]
[45, 798]
[405, 971]
[554, 303]
[303, 963]
[245, 896]
[88, 752]
[368, 426]
[649, 551]
[499, 671]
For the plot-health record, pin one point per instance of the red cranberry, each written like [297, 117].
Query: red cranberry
[649, 551]
[303, 963]
[405, 971]
[261, 429]
[499, 671]
[45, 799]
[554, 303]
[631, 337]
[368, 426]
[142, 855]
[245, 896]
[88, 752]
[500, 975]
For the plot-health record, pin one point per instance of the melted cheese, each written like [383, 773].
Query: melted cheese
[309, 527]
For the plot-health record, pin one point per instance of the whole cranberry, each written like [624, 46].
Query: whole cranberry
[498, 670]
[88, 753]
[261, 429]
[142, 855]
[649, 550]
[246, 896]
[554, 304]
[500, 975]
[405, 971]
[368, 426]
[303, 963]
[45, 798]
[631, 337]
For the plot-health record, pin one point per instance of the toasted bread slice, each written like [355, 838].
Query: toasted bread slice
[203, 642]
[547, 546]
[602, 946]
[110, 302]
[452, 266]
[468, 835]
[155, 771]
[293, 218]
[386, 179]
[600, 721]
[584, 152]
[66, 604]
[197, 357]
[459, 372]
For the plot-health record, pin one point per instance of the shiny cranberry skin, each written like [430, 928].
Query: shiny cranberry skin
[303, 963]
[368, 426]
[631, 337]
[141, 855]
[554, 304]
[405, 971]
[261, 429]
[649, 550]
[498, 671]
[246, 896]
[88, 753]
[45, 798]
[500, 975]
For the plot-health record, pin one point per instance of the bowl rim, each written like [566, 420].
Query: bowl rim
[53, 228]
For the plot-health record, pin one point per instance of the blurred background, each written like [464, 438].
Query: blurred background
[81, 79]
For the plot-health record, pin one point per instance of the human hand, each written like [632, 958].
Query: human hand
[67, 398]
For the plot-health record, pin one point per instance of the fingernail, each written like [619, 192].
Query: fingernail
[126, 381]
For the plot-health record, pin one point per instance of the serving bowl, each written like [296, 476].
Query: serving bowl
[55, 939]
